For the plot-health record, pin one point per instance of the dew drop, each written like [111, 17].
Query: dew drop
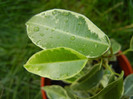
[79, 23]
[38, 42]
[95, 45]
[84, 45]
[66, 14]
[41, 34]
[53, 12]
[91, 52]
[43, 14]
[52, 30]
[58, 37]
[36, 29]
[88, 36]
[66, 20]
[72, 38]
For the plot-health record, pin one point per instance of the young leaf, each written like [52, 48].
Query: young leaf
[131, 44]
[77, 94]
[128, 85]
[89, 80]
[56, 92]
[70, 92]
[112, 91]
[63, 28]
[116, 47]
[57, 63]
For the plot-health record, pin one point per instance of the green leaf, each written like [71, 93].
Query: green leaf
[70, 92]
[89, 80]
[116, 47]
[112, 78]
[128, 85]
[114, 90]
[56, 92]
[131, 44]
[77, 94]
[57, 63]
[63, 28]
[80, 74]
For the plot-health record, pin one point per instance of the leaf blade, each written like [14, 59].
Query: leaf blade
[112, 91]
[57, 64]
[89, 80]
[88, 38]
[55, 92]
[128, 85]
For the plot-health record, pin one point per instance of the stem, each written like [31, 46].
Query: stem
[124, 52]
[110, 55]
[110, 69]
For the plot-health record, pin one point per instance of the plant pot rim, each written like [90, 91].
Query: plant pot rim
[122, 60]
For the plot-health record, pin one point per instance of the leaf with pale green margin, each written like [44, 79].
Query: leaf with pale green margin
[113, 90]
[116, 47]
[56, 92]
[63, 28]
[57, 63]
[70, 92]
[131, 44]
[89, 80]
[80, 74]
[128, 85]
[77, 94]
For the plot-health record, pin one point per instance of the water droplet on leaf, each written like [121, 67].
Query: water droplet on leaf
[72, 38]
[79, 23]
[66, 14]
[66, 20]
[36, 29]
[41, 34]
[95, 45]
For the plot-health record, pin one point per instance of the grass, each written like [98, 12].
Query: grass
[113, 17]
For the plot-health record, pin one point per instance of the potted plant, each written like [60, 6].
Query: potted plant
[78, 53]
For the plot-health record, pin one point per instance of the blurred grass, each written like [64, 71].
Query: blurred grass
[114, 17]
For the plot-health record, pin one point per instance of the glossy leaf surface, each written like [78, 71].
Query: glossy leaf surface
[116, 47]
[63, 28]
[112, 91]
[55, 92]
[80, 74]
[77, 94]
[128, 85]
[89, 80]
[57, 64]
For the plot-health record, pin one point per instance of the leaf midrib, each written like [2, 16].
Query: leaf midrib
[128, 90]
[68, 33]
[59, 62]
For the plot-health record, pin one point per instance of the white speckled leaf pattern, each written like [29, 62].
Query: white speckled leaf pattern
[57, 63]
[63, 28]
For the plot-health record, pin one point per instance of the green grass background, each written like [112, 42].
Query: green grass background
[114, 17]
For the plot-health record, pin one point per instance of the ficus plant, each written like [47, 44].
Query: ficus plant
[77, 52]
